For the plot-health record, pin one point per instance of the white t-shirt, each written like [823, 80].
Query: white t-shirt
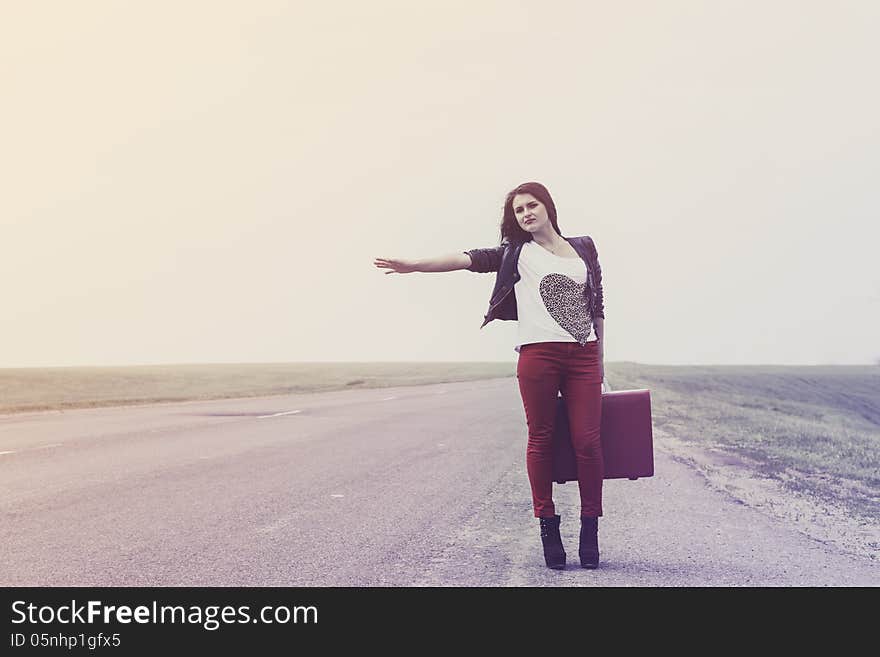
[550, 301]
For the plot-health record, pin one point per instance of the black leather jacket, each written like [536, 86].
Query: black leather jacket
[503, 259]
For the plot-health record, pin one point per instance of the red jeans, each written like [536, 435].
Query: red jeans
[544, 369]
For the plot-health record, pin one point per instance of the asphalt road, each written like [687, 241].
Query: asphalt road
[410, 486]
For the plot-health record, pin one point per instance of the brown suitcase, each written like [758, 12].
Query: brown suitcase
[626, 434]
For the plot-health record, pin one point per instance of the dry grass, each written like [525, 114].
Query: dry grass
[83, 387]
[814, 428]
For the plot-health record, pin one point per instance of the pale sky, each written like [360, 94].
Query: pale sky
[192, 182]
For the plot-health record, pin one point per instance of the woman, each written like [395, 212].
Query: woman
[552, 286]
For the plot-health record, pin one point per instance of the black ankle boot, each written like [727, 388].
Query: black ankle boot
[588, 550]
[554, 554]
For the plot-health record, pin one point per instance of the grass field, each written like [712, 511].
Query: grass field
[820, 422]
[84, 387]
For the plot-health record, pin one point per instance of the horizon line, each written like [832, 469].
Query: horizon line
[403, 362]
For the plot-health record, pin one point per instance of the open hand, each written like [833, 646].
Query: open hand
[396, 266]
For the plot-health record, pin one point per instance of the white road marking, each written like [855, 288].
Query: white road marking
[275, 526]
[389, 398]
[278, 414]
[48, 446]
[337, 495]
[12, 452]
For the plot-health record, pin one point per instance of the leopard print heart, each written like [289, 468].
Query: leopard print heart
[565, 301]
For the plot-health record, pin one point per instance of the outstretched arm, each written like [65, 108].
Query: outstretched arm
[451, 262]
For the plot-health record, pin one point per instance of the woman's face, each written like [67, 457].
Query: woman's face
[530, 213]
